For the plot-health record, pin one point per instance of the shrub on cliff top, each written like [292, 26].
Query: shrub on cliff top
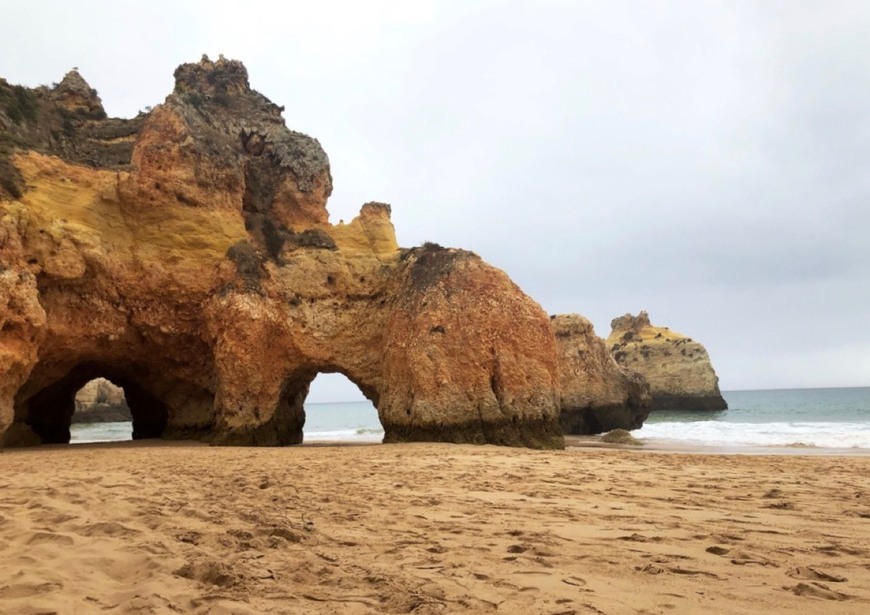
[19, 103]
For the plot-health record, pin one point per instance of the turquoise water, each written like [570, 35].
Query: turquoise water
[826, 418]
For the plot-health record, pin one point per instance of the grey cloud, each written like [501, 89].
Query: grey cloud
[707, 161]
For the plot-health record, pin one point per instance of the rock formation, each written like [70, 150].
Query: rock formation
[187, 256]
[100, 401]
[597, 394]
[678, 369]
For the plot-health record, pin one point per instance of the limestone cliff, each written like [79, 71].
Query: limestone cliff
[100, 401]
[186, 255]
[679, 371]
[597, 394]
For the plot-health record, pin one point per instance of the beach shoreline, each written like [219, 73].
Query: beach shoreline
[429, 528]
[701, 448]
[571, 441]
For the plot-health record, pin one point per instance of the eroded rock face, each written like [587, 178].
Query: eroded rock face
[597, 394]
[679, 371]
[100, 401]
[22, 330]
[446, 380]
[186, 255]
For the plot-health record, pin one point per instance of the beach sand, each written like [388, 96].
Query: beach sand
[429, 528]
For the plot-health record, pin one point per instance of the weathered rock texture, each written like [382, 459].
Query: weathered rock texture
[678, 369]
[186, 255]
[100, 401]
[597, 394]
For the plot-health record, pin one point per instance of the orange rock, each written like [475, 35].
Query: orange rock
[186, 255]
[597, 394]
[468, 356]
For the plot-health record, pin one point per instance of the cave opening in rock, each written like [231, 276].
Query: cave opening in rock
[45, 410]
[101, 414]
[336, 409]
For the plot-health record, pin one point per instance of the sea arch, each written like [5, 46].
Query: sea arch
[48, 412]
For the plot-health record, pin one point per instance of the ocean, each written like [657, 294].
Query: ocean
[343, 421]
[795, 418]
[822, 418]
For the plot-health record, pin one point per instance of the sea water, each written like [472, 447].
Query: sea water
[822, 418]
[348, 421]
[344, 421]
[827, 418]
[81, 433]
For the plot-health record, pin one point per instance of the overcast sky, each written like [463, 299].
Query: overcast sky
[706, 161]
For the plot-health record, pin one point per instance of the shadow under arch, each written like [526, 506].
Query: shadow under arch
[48, 413]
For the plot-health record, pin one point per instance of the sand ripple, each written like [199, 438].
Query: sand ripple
[429, 529]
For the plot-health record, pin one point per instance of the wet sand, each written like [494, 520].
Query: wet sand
[427, 528]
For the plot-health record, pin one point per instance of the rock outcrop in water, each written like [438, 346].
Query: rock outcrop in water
[100, 401]
[186, 255]
[597, 394]
[678, 369]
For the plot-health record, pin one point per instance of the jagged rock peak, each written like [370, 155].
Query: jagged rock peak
[565, 325]
[207, 77]
[629, 322]
[215, 97]
[76, 95]
[375, 208]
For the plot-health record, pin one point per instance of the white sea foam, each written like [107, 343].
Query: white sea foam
[818, 418]
[86, 433]
[720, 433]
[361, 434]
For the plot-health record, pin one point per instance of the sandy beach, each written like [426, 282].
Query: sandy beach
[428, 528]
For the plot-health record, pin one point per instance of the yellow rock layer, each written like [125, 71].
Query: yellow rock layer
[365, 235]
[64, 201]
[646, 334]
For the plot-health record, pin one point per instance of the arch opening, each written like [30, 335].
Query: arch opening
[101, 414]
[48, 413]
[339, 410]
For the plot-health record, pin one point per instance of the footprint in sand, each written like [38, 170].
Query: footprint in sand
[640, 538]
[816, 590]
[812, 574]
[740, 558]
[210, 572]
[650, 569]
[575, 581]
[55, 518]
[692, 572]
[109, 529]
[838, 549]
[42, 538]
[28, 590]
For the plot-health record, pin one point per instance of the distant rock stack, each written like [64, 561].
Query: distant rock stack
[597, 394]
[100, 401]
[678, 369]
